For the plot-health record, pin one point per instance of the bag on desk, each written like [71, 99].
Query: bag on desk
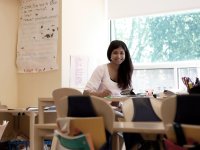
[194, 90]
[193, 87]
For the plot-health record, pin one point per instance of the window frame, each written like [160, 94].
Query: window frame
[175, 65]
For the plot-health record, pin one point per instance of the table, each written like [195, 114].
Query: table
[117, 99]
[42, 103]
[48, 101]
[139, 127]
[136, 127]
[43, 130]
[31, 115]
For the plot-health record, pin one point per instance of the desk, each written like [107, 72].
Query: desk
[42, 103]
[31, 115]
[117, 99]
[32, 120]
[43, 130]
[139, 127]
[48, 101]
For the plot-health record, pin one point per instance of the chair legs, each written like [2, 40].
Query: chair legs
[54, 143]
[117, 141]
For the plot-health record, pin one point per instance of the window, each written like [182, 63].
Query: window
[164, 48]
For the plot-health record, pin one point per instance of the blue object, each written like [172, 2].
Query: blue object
[16, 144]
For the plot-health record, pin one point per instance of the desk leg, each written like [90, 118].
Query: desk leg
[117, 141]
[40, 113]
[32, 123]
[54, 143]
[38, 140]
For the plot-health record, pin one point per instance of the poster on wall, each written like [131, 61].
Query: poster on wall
[37, 36]
[78, 71]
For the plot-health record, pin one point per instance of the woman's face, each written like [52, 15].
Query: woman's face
[118, 56]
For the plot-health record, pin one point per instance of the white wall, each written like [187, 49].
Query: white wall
[34, 85]
[8, 36]
[84, 32]
[125, 8]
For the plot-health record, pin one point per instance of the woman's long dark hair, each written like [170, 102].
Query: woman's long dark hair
[125, 70]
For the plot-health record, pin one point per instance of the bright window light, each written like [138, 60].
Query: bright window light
[164, 48]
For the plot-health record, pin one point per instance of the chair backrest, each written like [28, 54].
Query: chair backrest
[92, 128]
[128, 109]
[100, 107]
[80, 106]
[191, 132]
[140, 109]
[105, 110]
[60, 92]
[183, 109]
[187, 109]
[168, 109]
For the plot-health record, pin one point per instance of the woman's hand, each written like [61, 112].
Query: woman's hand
[105, 93]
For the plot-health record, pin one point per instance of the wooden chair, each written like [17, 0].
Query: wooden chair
[183, 109]
[63, 92]
[144, 104]
[101, 108]
[92, 128]
[60, 92]
[81, 109]
[140, 109]
[45, 130]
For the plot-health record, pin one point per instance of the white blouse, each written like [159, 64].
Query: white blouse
[100, 80]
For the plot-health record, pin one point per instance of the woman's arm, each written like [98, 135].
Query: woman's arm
[104, 93]
[92, 86]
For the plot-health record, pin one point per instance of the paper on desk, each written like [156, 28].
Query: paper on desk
[3, 127]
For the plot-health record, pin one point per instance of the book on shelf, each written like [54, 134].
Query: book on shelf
[45, 108]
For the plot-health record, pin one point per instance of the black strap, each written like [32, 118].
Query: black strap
[180, 137]
[143, 110]
[187, 110]
[80, 106]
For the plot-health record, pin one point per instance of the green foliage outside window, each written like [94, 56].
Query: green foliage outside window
[164, 38]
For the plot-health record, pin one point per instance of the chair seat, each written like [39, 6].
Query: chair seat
[46, 126]
[45, 130]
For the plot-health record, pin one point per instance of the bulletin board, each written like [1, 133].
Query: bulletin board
[37, 36]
